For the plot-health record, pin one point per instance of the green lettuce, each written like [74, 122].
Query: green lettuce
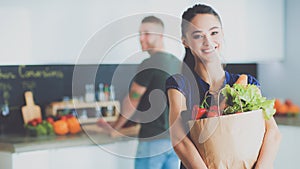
[241, 98]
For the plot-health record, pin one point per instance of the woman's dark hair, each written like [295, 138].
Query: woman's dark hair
[187, 17]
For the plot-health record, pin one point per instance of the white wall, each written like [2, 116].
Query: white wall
[55, 32]
[282, 79]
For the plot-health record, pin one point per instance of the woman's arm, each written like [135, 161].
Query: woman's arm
[270, 146]
[183, 146]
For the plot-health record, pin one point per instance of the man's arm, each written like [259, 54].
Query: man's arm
[129, 104]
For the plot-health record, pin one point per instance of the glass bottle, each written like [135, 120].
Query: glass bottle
[112, 95]
[106, 92]
[101, 96]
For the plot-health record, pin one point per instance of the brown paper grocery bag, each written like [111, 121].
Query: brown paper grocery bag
[229, 141]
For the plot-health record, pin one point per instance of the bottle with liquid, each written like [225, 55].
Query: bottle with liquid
[101, 96]
[106, 92]
[112, 95]
[98, 111]
[110, 111]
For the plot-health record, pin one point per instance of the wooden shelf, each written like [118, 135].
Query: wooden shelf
[54, 107]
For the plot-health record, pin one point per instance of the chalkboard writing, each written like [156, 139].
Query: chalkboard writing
[27, 72]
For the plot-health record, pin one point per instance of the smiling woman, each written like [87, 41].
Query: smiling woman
[202, 35]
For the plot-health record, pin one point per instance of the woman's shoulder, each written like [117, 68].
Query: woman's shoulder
[176, 79]
[178, 82]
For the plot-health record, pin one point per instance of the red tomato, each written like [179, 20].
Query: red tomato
[50, 120]
[33, 123]
[38, 120]
[64, 118]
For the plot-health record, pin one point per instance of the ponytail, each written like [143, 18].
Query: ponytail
[189, 61]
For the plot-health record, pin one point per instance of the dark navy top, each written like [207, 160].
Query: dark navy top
[194, 90]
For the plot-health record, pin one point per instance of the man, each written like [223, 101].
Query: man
[147, 101]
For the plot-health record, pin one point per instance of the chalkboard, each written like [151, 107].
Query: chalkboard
[48, 83]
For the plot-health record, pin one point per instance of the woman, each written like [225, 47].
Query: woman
[202, 36]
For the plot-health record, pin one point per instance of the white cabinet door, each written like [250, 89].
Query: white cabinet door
[110, 156]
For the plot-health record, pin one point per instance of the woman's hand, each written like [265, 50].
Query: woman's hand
[270, 146]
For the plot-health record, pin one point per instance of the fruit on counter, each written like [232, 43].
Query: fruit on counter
[50, 120]
[66, 124]
[35, 121]
[39, 127]
[60, 127]
[73, 125]
[64, 118]
[286, 107]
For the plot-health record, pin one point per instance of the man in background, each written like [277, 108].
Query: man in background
[147, 100]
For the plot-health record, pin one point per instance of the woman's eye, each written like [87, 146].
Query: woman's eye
[214, 33]
[197, 37]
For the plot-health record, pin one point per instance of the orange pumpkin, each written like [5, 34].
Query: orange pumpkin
[73, 125]
[60, 127]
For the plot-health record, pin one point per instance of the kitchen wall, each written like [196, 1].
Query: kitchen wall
[58, 32]
[281, 79]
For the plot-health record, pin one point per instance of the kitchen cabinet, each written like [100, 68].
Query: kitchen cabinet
[81, 157]
[77, 152]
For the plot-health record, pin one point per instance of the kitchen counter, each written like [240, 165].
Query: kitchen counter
[90, 135]
[288, 120]
[17, 143]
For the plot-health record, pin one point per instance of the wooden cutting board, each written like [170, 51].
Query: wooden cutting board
[30, 110]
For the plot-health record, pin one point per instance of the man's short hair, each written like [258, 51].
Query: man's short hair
[153, 19]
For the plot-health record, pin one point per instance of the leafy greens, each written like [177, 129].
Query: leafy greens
[240, 98]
